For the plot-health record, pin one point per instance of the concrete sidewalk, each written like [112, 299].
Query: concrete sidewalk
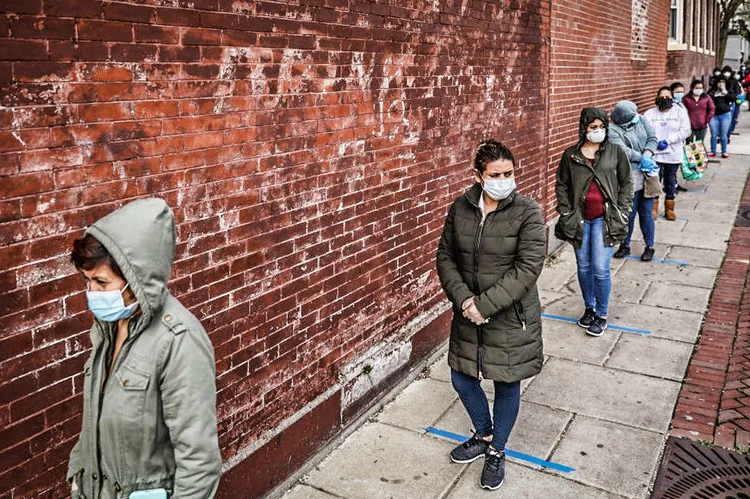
[599, 411]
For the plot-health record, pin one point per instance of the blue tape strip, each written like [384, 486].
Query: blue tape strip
[609, 326]
[515, 455]
[661, 260]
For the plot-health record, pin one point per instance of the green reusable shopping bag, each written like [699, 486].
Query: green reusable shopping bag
[694, 160]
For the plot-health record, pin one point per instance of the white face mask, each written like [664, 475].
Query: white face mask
[597, 136]
[736, 76]
[727, 74]
[697, 92]
[499, 188]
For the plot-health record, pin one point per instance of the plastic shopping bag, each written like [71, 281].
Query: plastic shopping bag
[694, 160]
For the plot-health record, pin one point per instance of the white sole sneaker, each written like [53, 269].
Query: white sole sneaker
[492, 488]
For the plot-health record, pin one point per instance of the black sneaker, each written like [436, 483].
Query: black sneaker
[622, 251]
[597, 327]
[470, 451]
[648, 254]
[587, 318]
[493, 473]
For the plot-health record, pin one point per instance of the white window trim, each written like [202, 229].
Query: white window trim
[674, 46]
[680, 28]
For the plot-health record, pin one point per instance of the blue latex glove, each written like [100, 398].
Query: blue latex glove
[648, 165]
[663, 144]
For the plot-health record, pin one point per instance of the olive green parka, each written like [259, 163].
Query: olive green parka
[153, 423]
[611, 171]
[496, 260]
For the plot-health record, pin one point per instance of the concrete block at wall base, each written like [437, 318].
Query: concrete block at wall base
[268, 467]
[553, 244]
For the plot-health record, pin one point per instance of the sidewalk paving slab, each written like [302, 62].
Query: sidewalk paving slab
[623, 397]
[567, 340]
[611, 456]
[381, 461]
[696, 257]
[677, 296]
[522, 482]
[668, 273]
[651, 356]
[661, 322]
[419, 405]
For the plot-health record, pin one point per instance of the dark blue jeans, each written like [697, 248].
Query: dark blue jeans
[735, 118]
[644, 208]
[668, 177]
[505, 409]
[593, 259]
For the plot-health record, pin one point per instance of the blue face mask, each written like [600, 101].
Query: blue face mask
[108, 306]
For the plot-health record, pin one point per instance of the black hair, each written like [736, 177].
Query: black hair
[665, 88]
[489, 151]
[88, 253]
[674, 85]
[694, 83]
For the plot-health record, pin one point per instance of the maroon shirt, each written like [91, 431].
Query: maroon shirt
[700, 112]
[594, 207]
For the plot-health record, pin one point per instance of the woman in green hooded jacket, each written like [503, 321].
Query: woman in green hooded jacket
[594, 189]
[489, 258]
[149, 392]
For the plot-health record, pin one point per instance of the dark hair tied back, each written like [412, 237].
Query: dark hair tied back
[489, 151]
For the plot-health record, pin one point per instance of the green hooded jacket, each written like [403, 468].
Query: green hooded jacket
[611, 171]
[154, 423]
[497, 261]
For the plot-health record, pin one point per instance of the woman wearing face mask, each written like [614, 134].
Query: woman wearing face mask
[594, 190]
[735, 87]
[678, 92]
[489, 258]
[149, 394]
[723, 99]
[715, 74]
[700, 108]
[632, 132]
[671, 124]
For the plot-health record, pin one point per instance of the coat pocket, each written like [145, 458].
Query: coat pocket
[567, 226]
[133, 384]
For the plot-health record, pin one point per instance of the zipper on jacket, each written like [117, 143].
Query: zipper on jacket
[480, 330]
[519, 313]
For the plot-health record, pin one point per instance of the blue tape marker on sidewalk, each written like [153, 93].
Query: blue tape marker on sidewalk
[609, 326]
[508, 452]
[682, 219]
[661, 260]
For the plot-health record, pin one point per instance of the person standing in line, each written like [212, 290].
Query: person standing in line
[735, 87]
[700, 108]
[594, 191]
[715, 74]
[632, 132]
[489, 258]
[723, 99]
[149, 385]
[678, 92]
[671, 124]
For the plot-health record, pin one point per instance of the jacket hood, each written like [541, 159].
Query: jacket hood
[141, 238]
[589, 114]
[624, 112]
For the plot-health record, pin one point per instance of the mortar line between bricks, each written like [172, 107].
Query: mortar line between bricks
[734, 308]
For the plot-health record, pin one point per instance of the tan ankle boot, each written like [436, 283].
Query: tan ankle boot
[656, 208]
[669, 213]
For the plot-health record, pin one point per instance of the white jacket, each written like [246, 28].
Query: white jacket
[674, 127]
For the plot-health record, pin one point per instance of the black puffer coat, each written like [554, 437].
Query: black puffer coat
[498, 261]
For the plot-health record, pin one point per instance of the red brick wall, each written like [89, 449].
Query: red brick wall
[309, 152]
[684, 66]
[595, 62]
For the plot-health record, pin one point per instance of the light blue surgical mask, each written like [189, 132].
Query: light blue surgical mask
[109, 306]
[499, 188]
[678, 96]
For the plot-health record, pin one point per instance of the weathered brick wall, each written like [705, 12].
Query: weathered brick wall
[684, 66]
[602, 52]
[309, 153]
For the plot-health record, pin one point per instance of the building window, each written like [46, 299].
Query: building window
[675, 21]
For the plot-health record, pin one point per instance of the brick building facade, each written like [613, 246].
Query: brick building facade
[309, 153]
[693, 40]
